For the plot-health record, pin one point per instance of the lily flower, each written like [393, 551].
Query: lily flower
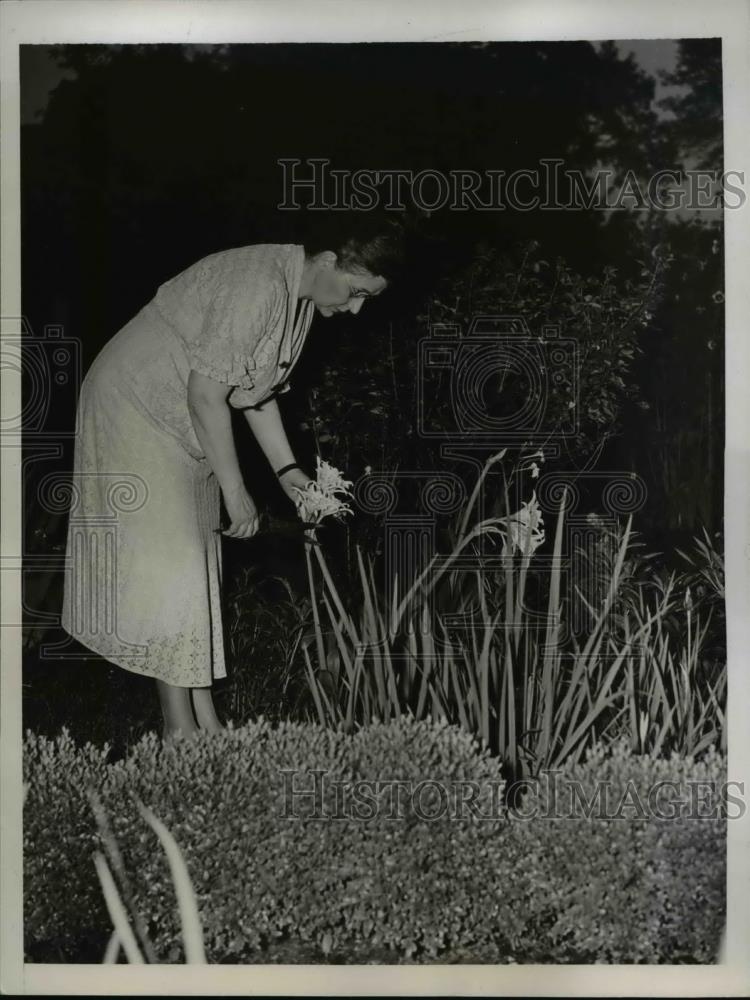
[321, 497]
[525, 528]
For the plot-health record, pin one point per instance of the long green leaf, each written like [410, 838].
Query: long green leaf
[117, 911]
[192, 931]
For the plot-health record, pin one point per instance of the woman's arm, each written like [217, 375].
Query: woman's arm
[265, 423]
[212, 420]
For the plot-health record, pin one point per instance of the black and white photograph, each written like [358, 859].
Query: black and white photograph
[376, 529]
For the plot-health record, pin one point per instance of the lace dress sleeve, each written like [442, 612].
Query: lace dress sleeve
[237, 319]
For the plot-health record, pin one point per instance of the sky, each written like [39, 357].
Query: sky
[652, 55]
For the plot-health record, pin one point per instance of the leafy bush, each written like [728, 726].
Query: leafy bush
[61, 899]
[487, 888]
[640, 886]
[366, 411]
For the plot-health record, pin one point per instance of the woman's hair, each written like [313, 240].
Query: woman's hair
[380, 251]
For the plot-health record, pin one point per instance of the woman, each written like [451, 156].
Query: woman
[155, 448]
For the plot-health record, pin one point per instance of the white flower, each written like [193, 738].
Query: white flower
[526, 528]
[319, 498]
[314, 505]
[531, 466]
[330, 480]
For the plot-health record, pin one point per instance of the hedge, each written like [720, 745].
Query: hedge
[426, 886]
[642, 886]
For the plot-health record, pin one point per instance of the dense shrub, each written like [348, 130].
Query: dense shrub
[642, 879]
[62, 902]
[388, 889]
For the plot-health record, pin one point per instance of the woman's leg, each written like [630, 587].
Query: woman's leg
[205, 712]
[176, 709]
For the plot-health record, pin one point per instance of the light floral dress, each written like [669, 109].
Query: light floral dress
[143, 562]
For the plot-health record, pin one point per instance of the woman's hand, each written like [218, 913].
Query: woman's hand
[242, 512]
[291, 479]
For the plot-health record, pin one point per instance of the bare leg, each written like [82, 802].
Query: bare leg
[205, 712]
[176, 709]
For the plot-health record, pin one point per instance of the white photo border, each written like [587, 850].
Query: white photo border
[216, 21]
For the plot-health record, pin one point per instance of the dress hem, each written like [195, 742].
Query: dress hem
[128, 663]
